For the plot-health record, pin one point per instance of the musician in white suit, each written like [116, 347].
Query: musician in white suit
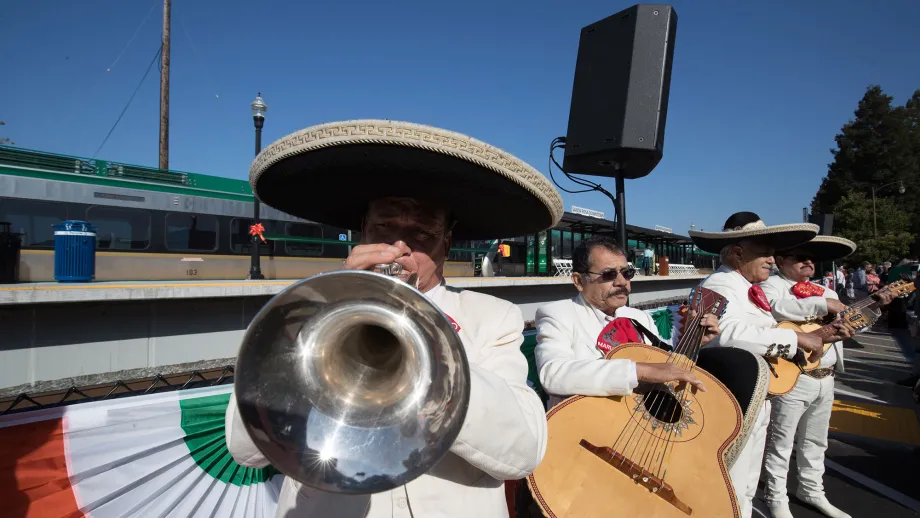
[411, 193]
[804, 413]
[573, 335]
[746, 246]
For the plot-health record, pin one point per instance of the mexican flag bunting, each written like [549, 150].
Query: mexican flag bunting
[159, 455]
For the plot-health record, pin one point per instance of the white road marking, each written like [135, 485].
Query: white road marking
[876, 486]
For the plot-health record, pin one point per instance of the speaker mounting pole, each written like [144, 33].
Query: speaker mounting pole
[620, 206]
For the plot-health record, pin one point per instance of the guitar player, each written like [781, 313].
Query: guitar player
[806, 409]
[746, 247]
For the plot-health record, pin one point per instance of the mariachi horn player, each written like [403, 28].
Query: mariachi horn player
[411, 190]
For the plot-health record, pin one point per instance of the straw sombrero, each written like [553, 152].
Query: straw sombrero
[748, 226]
[823, 248]
[329, 173]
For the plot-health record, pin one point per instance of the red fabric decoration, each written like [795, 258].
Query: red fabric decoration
[257, 230]
[803, 290]
[453, 323]
[618, 331]
[759, 299]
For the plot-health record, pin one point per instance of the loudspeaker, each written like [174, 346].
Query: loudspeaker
[825, 223]
[620, 94]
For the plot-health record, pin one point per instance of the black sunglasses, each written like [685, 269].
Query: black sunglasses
[802, 258]
[611, 275]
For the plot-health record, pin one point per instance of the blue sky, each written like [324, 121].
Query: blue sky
[758, 89]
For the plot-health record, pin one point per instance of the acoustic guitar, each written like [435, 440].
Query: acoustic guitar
[784, 373]
[660, 452]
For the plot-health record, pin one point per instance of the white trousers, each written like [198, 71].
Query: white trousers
[745, 473]
[801, 417]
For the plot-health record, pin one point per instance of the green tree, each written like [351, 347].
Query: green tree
[5, 140]
[853, 219]
[879, 146]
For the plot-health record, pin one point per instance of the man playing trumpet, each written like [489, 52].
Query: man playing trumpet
[411, 190]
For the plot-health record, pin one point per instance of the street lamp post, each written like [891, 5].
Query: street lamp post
[874, 215]
[258, 117]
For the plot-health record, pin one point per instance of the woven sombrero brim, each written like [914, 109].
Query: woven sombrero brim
[777, 236]
[329, 173]
[824, 248]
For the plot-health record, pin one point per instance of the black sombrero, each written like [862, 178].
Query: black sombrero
[823, 248]
[329, 173]
[748, 226]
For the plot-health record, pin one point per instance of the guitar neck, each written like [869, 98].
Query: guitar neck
[824, 332]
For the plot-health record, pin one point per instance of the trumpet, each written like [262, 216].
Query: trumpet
[352, 381]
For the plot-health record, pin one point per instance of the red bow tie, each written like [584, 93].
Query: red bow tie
[759, 299]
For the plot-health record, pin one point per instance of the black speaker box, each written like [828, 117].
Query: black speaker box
[825, 223]
[620, 94]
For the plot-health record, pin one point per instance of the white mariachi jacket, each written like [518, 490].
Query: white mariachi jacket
[745, 325]
[786, 306]
[503, 437]
[567, 355]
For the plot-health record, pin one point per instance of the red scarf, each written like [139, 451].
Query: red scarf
[803, 290]
[759, 298]
[618, 331]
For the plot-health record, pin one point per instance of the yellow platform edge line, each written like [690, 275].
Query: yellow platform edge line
[889, 423]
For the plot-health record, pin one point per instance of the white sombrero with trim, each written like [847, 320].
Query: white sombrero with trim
[743, 226]
[823, 248]
[330, 173]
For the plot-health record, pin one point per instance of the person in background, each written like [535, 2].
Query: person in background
[841, 277]
[828, 281]
[858, 281]
[872, 280]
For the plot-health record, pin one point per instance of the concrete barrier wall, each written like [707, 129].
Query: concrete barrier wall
[49, 346]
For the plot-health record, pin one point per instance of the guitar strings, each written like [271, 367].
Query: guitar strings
[652, 437]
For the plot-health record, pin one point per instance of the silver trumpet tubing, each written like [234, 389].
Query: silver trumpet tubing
[352, 381]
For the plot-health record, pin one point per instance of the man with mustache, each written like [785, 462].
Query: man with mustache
[805, 411]
[746, 246]
[574, 334]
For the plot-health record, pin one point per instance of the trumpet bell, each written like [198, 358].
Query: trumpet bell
[352, 382]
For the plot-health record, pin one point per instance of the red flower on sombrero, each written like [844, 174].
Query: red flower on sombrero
[803, 290]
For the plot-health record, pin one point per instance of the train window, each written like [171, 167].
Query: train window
[241, 241]
[306, 230]
[191, 232]
[120, 229]
[33, 219]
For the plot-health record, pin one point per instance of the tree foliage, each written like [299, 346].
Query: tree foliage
[879, 147]
[5, 140]
[854, 221]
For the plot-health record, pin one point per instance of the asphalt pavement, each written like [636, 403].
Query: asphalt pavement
[873, 456]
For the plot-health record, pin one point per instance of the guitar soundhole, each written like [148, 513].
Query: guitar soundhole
[663, 406]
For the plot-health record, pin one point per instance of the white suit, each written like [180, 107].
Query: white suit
[503, 437]
[566, 354]
[747, 326]
[802, 415]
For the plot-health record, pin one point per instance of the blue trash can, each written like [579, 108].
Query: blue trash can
[74, 251]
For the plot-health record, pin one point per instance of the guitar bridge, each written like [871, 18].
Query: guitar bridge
[640, 475]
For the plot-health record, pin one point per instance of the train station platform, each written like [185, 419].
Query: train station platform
[54, 292]
[60, 335]
[872, 463]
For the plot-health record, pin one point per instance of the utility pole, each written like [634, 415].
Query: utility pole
[164, 89]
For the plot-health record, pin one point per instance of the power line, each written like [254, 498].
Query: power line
[154, 60]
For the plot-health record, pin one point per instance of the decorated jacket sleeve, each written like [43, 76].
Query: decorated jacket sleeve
[738, 331]
[790, 308]
[561, 374]
[504, 433]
